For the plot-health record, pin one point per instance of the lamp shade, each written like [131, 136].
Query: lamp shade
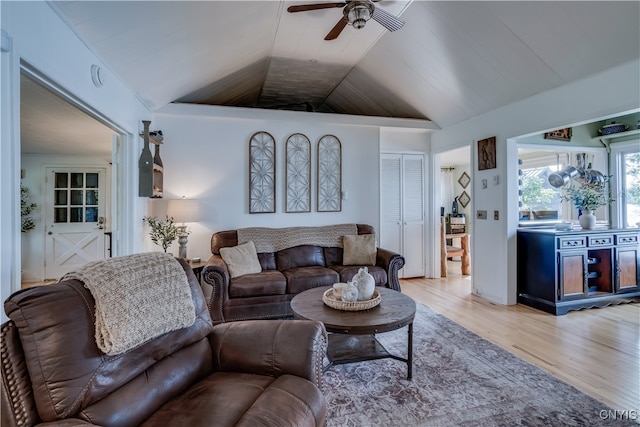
[184, 210]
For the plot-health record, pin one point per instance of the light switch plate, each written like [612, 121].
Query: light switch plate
[484, 183]
[481, 214]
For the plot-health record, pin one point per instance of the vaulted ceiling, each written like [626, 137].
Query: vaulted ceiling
[452, 60]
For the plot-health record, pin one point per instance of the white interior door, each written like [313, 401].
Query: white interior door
[413, 214]
[402, 209]
[74, 218]
[390, 203]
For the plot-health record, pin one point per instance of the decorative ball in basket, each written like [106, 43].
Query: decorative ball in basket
[366, 284]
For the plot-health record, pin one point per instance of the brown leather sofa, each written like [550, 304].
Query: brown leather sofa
[285, 273]
[254, 373]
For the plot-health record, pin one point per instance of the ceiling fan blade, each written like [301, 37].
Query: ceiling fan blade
[337, 29]
[387, 20]
[315, 6]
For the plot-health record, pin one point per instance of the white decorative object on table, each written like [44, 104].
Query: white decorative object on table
[337, 290]
[350, 291]
[366, 284]
[587, 220]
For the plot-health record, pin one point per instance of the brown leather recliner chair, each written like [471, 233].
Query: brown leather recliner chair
[250, 373]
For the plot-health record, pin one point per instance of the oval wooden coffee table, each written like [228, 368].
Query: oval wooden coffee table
[352, 333]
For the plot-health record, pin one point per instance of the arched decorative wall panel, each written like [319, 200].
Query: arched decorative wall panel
[262, 173]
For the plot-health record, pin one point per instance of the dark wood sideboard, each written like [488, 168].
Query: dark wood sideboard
[560, 271]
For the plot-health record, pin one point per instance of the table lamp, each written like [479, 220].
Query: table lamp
[182, 211]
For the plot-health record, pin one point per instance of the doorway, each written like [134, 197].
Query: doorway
[455, 210]
[63, 138]
[74, 218]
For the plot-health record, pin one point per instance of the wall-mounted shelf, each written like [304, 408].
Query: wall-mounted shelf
[617, 135]
[157, 140]
[150, 166]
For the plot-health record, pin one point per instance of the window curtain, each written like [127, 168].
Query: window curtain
[447, 188]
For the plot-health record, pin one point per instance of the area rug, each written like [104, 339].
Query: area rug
[459, 379]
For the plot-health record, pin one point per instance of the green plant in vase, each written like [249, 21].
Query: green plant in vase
[26, 209]
[163, 231]
[587, 197]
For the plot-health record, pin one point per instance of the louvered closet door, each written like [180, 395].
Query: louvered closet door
[390, 203]
[402, 209]
[413, 214]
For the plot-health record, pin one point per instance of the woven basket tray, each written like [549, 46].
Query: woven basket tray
[329, 300]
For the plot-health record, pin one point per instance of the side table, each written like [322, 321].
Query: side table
[197, 268]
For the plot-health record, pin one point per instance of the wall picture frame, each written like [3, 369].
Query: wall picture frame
[262, 173]
[329, 174]
[298, 174]
[559, 134]
[464, 180]
[487, 153]
[464, 199]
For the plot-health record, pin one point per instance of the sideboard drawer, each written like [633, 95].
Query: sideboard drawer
[572, 242]
[627, 239]
[600, 240]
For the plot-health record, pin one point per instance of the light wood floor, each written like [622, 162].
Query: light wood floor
[597, 350]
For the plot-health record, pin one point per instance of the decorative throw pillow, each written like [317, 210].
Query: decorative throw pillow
[241, 259]
[359, 250]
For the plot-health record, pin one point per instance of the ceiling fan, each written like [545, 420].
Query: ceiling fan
[355, 13]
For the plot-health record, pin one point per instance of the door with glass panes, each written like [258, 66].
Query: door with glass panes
[74, 218]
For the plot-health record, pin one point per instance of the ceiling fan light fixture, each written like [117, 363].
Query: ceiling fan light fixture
[359, 14]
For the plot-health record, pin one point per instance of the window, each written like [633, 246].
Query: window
[630, 187]
[538, 199]
[76, 197]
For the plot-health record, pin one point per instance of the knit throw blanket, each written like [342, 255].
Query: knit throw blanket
[137, 298]
[277, 239]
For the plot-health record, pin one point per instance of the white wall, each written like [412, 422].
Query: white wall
[34, 35]
[608, 94]
[404, 140]
[206, 157]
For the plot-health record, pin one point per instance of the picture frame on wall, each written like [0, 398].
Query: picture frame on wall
[487, 153]
[464, 199]
[262, 173]
[329, 171]
[559, 134]
[464, 180]
[298, 174]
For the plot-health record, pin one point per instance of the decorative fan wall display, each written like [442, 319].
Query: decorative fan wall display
[355, 13]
